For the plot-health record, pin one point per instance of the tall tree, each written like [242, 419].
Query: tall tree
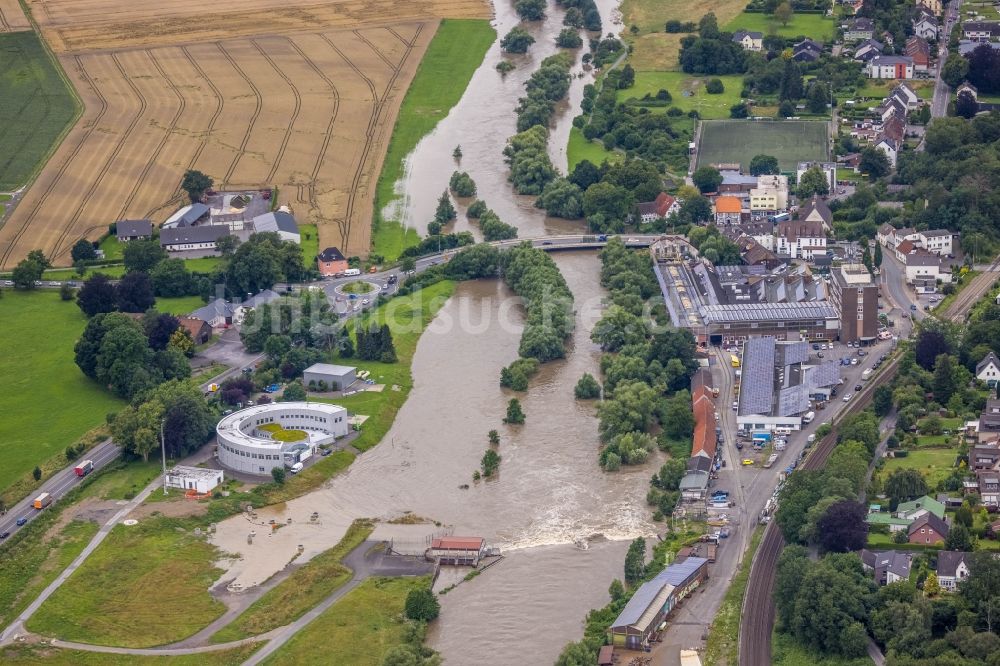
[195, 183]
[944, 379]
[635, 562]
[29, 270]
[763, 165]
[97, 295]
[707, 179]
[143, 255]
[135, 292]
[83, 250]
[843, 528]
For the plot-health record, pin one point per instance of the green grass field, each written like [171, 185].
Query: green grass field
[580, 149]
[146, 585]
[310, 244]
[678, 83]
[113, 249]
[304, 589]
[739, 140]
[358, 630]
[454, 54]
[653, 49]
[36, 106]
[50, 403]
[32, 654]
[934, 464]
[814, 26]
[180, 305]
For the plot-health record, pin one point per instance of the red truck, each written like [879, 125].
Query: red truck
[84, 468]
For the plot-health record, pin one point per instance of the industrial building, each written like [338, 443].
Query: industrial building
[462, 551]
[778, 383]
[336, 377]
[653, 602]
[855, 297]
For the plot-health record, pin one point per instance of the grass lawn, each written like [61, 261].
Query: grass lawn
[932, 440]
[41, 655]
[113, 250]
[934, 464]
[677, 83]
[849, 175]
[786, 651]
[739, 140]
[146, 585]
[50, 403]
[303, 590]
[653, 49]
[310, 244]
[28, 566]
[724, 634]
[36, 107]
[878, 89]
[814, 26]
[359, 629]
[580, 149]
[115, 271]
[358, 287]
[180, 305]
[202, 264]
[126, 482]
[453, 55]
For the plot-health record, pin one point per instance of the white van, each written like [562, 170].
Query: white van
[808, 417]
[782, 431]
[352, 271]
[296, 468]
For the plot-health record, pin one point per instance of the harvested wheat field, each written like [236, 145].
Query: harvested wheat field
[12, 18]
[309, 111]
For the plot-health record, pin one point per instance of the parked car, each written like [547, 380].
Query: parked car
[819, 354]
[857, 387]
[4, 535]
[747, 461]
[847, 398]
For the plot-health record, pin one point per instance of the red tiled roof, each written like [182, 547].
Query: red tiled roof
[458, 543]
[728, 205]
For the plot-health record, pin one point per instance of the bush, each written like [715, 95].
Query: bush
[462, 184]
[516, 375]
[569, 39]
[422, 605]
[517, 41]
[476, 209]
[587, 388]
[715, 87]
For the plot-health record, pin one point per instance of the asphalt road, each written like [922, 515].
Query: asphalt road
[58, 485]
[939, 104]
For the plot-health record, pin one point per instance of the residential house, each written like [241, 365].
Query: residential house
[917, 508]
[868, 49]
[891, 149]
[926, 26]
[807, 51]
[988, 370]
[906, 95]
[817, 211]
[989, 488]
[938, 241]
[892, 523]
[890, 67]
[934, 6]
[727, 210]
[217, 314]
[331, 262]
[770, 195]
[198, 329]
[755, 254]
[128, 230]
[734, 182]
[885, 235]
[952, 568]
[919, 50]
[262, 298]
[749, 40]
[894, 128]
[980, 31]
[858, 29]
[927, 529]
[280, 222]
[663, 206]
[889, 108]
[921, 264]
[986, 455]
[989, 426]
[890, 566]
[176, 239]
[800, 239]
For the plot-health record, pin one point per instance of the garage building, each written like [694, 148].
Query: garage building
[198, 479]
[337, 377]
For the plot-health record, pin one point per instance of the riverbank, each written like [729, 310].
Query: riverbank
[453, 55]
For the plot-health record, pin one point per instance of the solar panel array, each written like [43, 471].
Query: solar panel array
[757, 383]
[795, 352]
[793, 400]
[826, 374]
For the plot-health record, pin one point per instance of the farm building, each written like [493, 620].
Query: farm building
[653, 602]
[127, 230]
[198, 479]
[187, 216]
[176, 239]
[279, 222]
[337, 377]
[198, 328]
[457, 550]
[217, 313]
[331, 261]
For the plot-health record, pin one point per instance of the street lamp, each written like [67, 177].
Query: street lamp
[163, 451]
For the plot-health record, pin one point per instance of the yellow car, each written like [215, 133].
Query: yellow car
[747, 461]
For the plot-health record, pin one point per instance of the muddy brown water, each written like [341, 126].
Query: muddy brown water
[481, 123]
[561, 522]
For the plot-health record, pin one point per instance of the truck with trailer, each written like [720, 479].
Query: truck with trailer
[84, 468]
[42, 501]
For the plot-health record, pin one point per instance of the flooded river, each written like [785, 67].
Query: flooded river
[482, 122]
[560, 521]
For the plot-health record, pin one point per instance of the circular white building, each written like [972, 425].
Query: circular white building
[257, 439]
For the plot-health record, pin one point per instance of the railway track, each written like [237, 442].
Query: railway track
[972, 293]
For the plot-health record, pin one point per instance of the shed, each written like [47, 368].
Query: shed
[187, 216]
[337, 377]
[198, 479]
[198, 328]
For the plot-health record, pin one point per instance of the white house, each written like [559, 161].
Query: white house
[891, 149]
[749, 40]
[988, 370]
[952, 568]
[176, 239]
[906, 95]
[890, 67]
[770, 195]
[800, 239]
[921, 264]
[199, 479]
[938, 241]
[926, 26]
